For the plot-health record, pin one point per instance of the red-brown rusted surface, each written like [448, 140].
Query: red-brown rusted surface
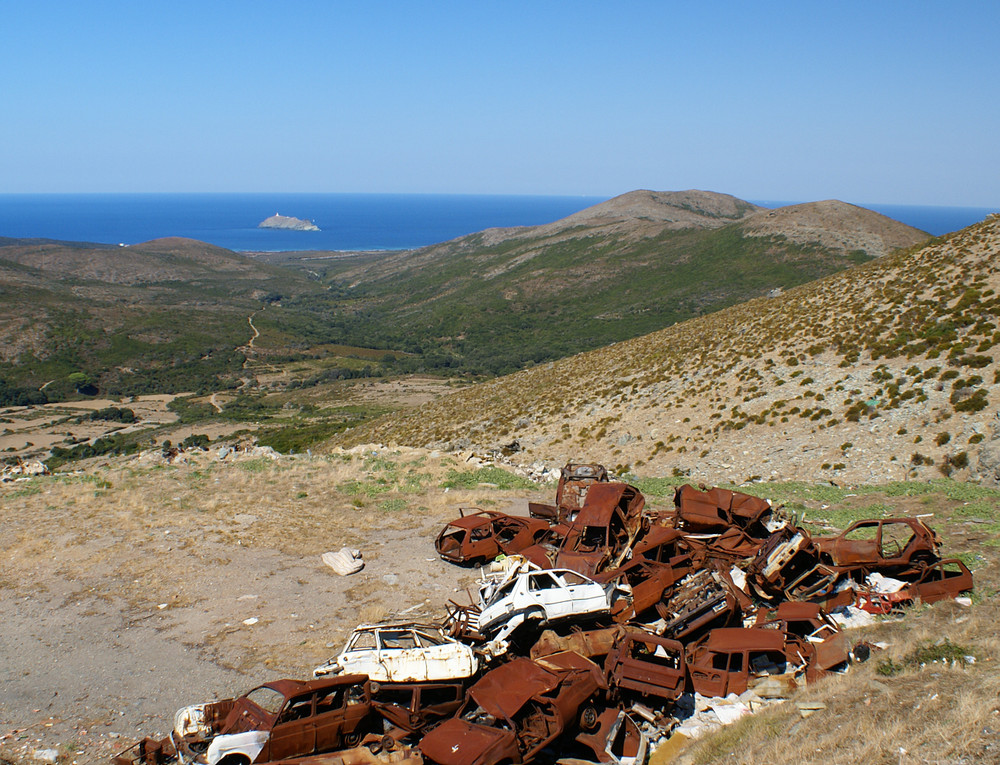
[514, 711]
[304, 718]
[928, 584]
[647, 664]
[615, 739]
[717, 509]
[641, 585]
[590, 643]
[811, 623]
[575, 481]
[700, 602]
[410, 708]
[884, 544]
[361, 755]
[605, 529]
[729, 660]
[479, 536]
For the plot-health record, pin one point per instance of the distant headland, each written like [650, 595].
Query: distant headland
[287, 222]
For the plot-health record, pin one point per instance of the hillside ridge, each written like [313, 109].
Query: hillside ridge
[882, 372]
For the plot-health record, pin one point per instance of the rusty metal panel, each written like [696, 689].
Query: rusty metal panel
[700, 602]
[717, 509]
[478, 536]
[589, 643]
[649, 665]
[515, 711]
[615, 739]
[730, 660]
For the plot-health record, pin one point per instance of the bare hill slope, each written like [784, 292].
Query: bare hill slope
[884, 371]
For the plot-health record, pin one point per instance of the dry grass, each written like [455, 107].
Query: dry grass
[885, 357]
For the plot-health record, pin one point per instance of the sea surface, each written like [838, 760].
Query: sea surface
[347, 221]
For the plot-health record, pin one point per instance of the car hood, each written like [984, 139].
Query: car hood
[459, 742]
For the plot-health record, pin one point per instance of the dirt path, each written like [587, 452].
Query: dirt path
[256, 334]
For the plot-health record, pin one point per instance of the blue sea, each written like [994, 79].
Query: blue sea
[348, 221]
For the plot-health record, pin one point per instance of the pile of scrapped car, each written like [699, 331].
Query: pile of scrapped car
[595, 617]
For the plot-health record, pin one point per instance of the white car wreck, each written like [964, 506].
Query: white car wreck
[402, 653]
[546, 595]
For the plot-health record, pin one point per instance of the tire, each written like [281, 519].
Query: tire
[235, 759]
[350, 739]
[588, 719]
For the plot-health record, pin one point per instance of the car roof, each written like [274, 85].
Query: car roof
[287, 687]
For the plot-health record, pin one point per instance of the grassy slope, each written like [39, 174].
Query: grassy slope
[172, 311]
[498, 306]
[910, 338]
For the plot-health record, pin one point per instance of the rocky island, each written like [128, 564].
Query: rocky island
[287, 222]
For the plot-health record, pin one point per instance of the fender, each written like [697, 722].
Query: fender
[249, 744]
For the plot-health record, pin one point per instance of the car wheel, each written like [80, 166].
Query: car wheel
[353, 738]
[235, 759]
[588, 719]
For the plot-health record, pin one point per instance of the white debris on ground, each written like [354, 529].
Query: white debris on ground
[705, 715]
[345, 562]
[23, 471]
[851, 617]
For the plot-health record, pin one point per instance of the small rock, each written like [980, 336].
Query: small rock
[45, 755]
[251, 621]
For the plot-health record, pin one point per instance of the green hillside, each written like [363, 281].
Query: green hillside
[497, 300]
[162, 316]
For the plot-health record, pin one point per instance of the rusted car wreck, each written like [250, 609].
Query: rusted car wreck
[279, 720]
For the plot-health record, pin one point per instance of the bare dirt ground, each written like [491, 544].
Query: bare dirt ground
[136, 587]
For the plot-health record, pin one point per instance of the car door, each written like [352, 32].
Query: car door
[329, 718]
[294, 732]
[712, 678]
[582, 595]
[444, 659]
[546, 592]
[401, 656]
[361, 654]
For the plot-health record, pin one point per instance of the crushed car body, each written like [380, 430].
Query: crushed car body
[575, 481]
[624, 612]
[402, 653]
[279, 720]
[479, 536]
[408, 709]
[888, 544]
[648, 665]
[515, 711]
[733, 659]
[537, 595]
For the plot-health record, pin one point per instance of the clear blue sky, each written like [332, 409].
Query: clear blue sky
[891, 102]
